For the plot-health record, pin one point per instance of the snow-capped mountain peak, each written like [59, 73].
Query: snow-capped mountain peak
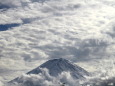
[57, 66]
[55, 69]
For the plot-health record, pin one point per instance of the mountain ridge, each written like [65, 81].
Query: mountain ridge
[59, 65]
[56, 67]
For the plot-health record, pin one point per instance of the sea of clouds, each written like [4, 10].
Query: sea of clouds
[44, 79]
[79, 30]
[65, 78]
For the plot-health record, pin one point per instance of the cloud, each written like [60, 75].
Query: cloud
[44, 79]
[10, 3]
[77, 30]
[1, 83]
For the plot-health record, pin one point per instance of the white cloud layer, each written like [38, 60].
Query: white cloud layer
[1, 84]
[44, 79]
[79, 30]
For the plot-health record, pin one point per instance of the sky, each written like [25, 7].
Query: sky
[35, 31]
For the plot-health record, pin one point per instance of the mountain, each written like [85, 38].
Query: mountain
[57, 66]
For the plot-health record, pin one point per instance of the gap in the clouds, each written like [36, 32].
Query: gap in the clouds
[40, 1]
[4, 27]
[4, 6]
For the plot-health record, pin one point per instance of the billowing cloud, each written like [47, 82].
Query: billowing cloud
[10, 3]
[44, 79]
[79, 30]
[1, 84]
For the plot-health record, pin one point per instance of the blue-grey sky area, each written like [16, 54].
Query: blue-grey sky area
[33, 31]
